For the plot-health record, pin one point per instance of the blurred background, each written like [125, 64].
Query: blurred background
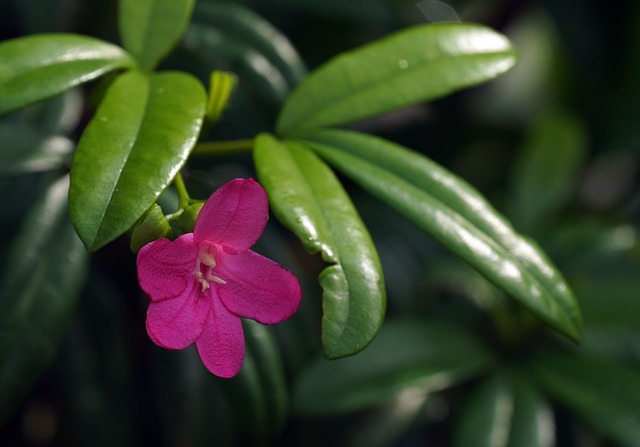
[554, 144]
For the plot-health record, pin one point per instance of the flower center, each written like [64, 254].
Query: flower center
[205, 263]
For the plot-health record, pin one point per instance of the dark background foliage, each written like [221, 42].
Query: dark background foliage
[579, 70]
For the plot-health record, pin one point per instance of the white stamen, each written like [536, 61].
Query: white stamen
[209, 260]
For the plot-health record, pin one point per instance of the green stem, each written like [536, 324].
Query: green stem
[183, 195]
[223, 147]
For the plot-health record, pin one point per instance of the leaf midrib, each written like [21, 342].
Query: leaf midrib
[376, 83]
[488, 239]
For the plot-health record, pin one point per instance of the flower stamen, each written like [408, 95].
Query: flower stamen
[206, 258]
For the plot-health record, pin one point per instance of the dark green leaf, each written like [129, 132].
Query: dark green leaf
[505, 412]
[25, 149]
[604, 392]
[308, 199]
[545, 173]
[150, 28]
[36, 67]
[98, 385]
[388, 425]
[240, 24]
[136, 143]
[421, 63]
[269, 84]
[408, 355]
[266, 356]
[455, 214]
[612, 301]
[38, 292]
[258, 393]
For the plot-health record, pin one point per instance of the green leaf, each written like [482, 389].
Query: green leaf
[36, 67]
[258, 393]
[39, 288]
[455, 214]
[307, 198]
[153, 225]
[604, 392]
[505, 411]
[237, 23]
[221, 84]
[408, 355]
[545, 172]
[267, 81]
[389, 425]
[421, 63]
[138, 140]
[149, 29]
[25, 149]
[266, 356]
[98, 386]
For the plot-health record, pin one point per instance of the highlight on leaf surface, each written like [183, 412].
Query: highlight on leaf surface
[138, 140]
[421, 63]
[36, 67]
[459, 217]
[307, 198]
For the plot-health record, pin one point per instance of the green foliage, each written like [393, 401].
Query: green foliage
[469, 353]
[37, 67]
[153, 225]
[307, 197]
[544, 175]
[250, 45]
[505, 410]
[456, 215]
[40, 286]
[150, 28]
[418, 64]
[409, 355]
[138, 140]
[604, 392]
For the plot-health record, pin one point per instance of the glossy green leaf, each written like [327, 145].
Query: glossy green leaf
[25, 149]
[151, 28]
[545, 172]
[39, 288]
[36, 67]
[417, 64]
[505, 411]
[602, 391]
[306, 197]
[454, 213]
[240, 24]
[138, 140]
[407, 356]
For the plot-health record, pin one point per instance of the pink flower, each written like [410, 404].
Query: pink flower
[202, 283]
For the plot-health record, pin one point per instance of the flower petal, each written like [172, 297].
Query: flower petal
[221, 344]
[165, 268]
[257, 288]
[177, 322]
[234, 216]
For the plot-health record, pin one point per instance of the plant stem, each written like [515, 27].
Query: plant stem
[183, 195]
[223, 147]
